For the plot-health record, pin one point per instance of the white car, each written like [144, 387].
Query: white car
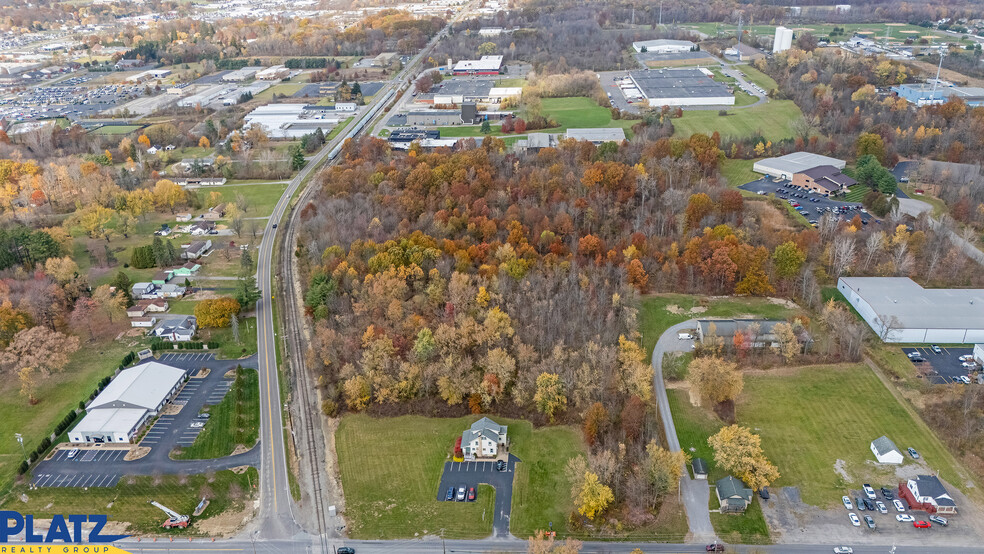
[963, 379]
[843, 550]
[967, 358]
[869, 492]
[969, 365]
[854, 519]
[73, 453]
[197, 424]
[847, 502]
[898, 505]
[881, 507]
[685, 336]
[905, 518]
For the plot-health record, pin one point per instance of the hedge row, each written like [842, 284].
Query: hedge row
[161, 344]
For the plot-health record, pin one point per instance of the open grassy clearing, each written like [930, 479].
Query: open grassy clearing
[229, 348]
[811, 419]
[738, 172]
[391, 480]
[128, 500]
[58, 394]
[754, 75]
[262, 198]
[654, 318]
[747, 528]
[541, 493]
[578, 112]
[286, 89]
[116, 130]
[234, 421]
[771, 120]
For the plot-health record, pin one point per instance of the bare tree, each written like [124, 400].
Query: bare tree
[872, 246]
[843, 254]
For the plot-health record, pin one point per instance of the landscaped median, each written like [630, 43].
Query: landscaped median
[234, 421]
[390, 470]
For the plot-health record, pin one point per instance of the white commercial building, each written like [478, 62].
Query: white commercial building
[663, 46]
[790, 164]
[288, 121]
[676, 87]
[273, 73]
[899, 310]
[783, 39]
[243, 74]
[487, 65]
[130, 400]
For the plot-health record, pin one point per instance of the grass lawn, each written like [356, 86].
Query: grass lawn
[541, 493]
[747, 528]
[234, 421]
[228, 348]
[182, 307]
[510, 82]
[856, 193]
[58, 394]
[939, 207]
[577, 112]
[262, 198]
[338, 129]
[287, 89]
[753, 74]
[738, 172]
[116, 129]
[772, 120]
[128, 500]
[655, 318]
[391, 487]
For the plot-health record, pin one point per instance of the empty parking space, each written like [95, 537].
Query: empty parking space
[79, 480]
[946, 367]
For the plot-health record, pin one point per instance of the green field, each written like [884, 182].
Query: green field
[288, 89]
[875, 31]
[58, 394]
[738, 171]
[813, 418]
[856, 193]
[654, 318]
[230, 349]
[772, 120]
[234, 421]
[116, 129]
[129, 500]
[747, 528]
[391, 486]
[262, 197]
[757, 77]
[577, 112]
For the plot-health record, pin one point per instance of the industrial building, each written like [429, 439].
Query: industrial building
[899, 310]
[783, 40]
[663, 46]
[273, 73]
[676, 87]
[922, 94]
[597, 135]
[240, 75]
[130, 400]
[290, 121]
[786, 166]
[459, 91]
[203, 97]
[466, 115]
[487, 65]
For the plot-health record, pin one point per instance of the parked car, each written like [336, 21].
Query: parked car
[716, 547]
[969, 365]
[939, 519]
[918, 359]
[922, 524]
[764, 493]
[854, 519]
[501, 465]
[967, 358]
[963, 379]
[843, 550]
[471, 494]
[73, 453]
[450, 496]
[887, 493]
[913, 354]
[869, 522]
[204, 415]
[899, 507]
[936, 349]
[461, 494]
[847, 502]
[913, 453]
[905, 518]
[869, 505]
[881, 507]
[197, 424]
[859, 503]
[345, 550]
[685, 336]
[868, 491]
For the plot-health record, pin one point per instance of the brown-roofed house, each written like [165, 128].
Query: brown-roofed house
[825, 179]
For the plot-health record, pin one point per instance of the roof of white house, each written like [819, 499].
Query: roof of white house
[484, 427]
[110, 420]
[901, 303]
[142, 386]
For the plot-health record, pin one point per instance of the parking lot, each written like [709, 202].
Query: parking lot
[813, 205]
[471, 474]
[103, 465]
[945, 367]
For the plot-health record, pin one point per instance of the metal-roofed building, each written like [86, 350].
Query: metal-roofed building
[899, 310]
[791, 164]
[680, 87]
[922, 94]
[487, 65]
[597, 135]
[885, 451]
[130, 400]
[663, 46]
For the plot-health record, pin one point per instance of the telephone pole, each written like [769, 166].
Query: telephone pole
[738, 47]
[660, 14]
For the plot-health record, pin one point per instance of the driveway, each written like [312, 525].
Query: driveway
[471, 474]
[102, 466]
[696, 493]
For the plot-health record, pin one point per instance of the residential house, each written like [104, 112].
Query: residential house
[164, 231]
[151, 305]
[825, 179]
[196, 249]
[885, 451]
[142, 290]
[187, 164]
[147, 322]
[700, 468]
[483, 439]
[170, 291]
[136, 310]
[162, 277]
[153, 150]
[183, 217]
[926, 492]
[169, 147]
[126, 64]
[178, 331]
[189, 269]
[202, 228]
[215, 213]
[732, 494]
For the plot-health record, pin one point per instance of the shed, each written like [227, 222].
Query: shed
[885, 451]
[700, 468]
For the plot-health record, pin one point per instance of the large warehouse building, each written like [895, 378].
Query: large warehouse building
[130, 400]
[899, 310]
[797, 162]
[663, 46]
[678, 87]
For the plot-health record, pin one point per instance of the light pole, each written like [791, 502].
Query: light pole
[20, 440]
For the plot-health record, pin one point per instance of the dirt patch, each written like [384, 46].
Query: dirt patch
[674, 309]
[239, 469]
[227, 523]
[203, 295]
[841, 469]
[239, 449]
[172, 409]
[786, 303]
[136, 453]
[202, 374]
[698, 309]
[231, 374]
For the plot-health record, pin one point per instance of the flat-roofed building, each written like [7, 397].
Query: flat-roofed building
[677, 87]
[825, 179]
[663, 46]
[786, 166]
[487, 65]
[597, 135]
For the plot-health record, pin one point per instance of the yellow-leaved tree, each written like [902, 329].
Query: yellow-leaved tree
[715, 379]
[739, 451]
[216, 312]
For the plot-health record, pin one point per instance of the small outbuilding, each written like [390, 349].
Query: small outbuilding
[885, 451]
[700, 468]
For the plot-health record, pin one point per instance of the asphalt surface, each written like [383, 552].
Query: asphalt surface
[471, 474]
[695, 493]
[103, 466]
[812, 203]
[946, 366]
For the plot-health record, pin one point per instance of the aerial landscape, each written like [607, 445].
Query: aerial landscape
[542, 276]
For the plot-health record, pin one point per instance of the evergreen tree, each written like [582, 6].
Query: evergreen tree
[247, 292]
[486, 128]
[245, 263]
[297, 160]
[123, 284]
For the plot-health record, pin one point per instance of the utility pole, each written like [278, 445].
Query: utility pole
[936, 83]
[660, 14]
[738, 47]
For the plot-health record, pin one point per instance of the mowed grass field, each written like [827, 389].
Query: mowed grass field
[578, 112]
[811, 419]
[116, 129]
[262, 197]
[738, 171]
[390, 470]
[235, 420]
[772, 120]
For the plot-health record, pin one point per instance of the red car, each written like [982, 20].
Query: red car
[922, 524]
[471, 494]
